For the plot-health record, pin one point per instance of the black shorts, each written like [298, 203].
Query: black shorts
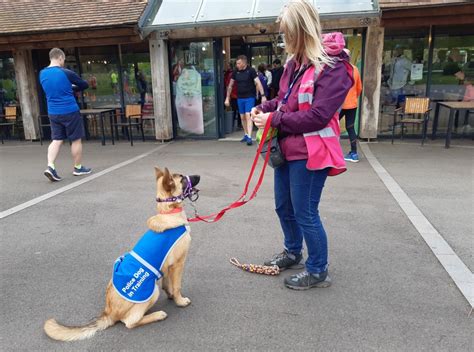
[67, 126]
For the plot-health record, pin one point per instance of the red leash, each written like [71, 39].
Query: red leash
[241, 201]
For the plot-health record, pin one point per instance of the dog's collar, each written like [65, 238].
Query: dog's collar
[189, 192]
[172, 211]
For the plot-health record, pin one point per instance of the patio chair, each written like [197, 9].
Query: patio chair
[148, 114]
[419, 109]
[131, 118]
[9, 119]
[42, 124]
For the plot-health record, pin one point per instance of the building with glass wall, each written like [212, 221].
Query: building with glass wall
[101, 42]
[428, 51]
[170, 56]
[402, 47]
[199, 37]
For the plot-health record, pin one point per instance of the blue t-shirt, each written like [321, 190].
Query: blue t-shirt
[136, 272]
[57, 83]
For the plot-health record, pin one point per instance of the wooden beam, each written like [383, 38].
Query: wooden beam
[68, 35]
[424, 11]
[161, 89]
[427, 21]
[28, 94]
[372, 82]
[72, 43]
[255, 29]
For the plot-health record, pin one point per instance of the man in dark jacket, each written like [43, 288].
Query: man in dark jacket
[276, 76]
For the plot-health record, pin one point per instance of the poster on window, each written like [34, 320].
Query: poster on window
[416, 72]
[189, 101]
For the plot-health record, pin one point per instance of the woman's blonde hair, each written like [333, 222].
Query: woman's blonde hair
[299, 22]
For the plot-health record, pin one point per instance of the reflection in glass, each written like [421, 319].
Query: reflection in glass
[453, 67]
[404, 73]
[100, 69]
[453, 76]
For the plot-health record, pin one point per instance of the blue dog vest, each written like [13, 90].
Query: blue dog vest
[136, 272]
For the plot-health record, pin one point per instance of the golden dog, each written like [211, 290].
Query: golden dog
[170, 191]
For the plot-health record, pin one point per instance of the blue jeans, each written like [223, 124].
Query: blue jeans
[297, 194]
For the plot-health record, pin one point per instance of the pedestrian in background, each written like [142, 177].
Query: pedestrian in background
[313, 87]
[268, 74]
[261, 73]
[277, 71]
[349, 111]
[59, 85]
[247, 80]
[228, 71]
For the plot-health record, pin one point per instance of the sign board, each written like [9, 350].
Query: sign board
[416, 72]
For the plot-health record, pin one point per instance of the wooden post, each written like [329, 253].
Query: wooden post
[27, 92]
[226, 45]
[372, 82]
[161, 88]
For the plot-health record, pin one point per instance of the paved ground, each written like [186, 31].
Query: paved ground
[389, 294]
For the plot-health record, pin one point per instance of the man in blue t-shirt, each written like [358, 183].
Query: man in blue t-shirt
[246, 79]
[66, 121]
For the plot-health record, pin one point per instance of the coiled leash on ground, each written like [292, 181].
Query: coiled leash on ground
[258, 269]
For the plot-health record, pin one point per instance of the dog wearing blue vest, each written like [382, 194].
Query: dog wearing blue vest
[159, 255]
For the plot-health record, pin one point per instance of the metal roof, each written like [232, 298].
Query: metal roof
[176, 14]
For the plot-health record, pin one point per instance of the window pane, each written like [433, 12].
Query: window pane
[453, 73]
[193, 77]
[136, 74]
[100, 68]
[8, 93]
[404, 72]
[453, 67]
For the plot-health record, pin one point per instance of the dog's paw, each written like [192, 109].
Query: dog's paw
[182, 301]
[160, 315]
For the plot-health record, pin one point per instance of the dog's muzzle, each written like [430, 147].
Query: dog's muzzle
[190, 192]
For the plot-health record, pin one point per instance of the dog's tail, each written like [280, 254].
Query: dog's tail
[65, 333]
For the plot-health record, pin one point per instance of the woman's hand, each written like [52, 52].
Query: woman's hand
[260, 119]
[254, 112]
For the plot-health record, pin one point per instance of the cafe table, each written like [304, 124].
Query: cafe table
[453, 106]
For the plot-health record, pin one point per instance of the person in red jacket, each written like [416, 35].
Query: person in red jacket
[349, 110]
[313, 87]
[229, 70]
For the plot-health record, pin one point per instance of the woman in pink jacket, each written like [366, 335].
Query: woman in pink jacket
[313, 87]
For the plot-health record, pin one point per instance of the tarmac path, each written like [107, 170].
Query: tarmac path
[390, 292]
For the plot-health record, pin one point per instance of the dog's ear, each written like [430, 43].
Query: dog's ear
[158, 173]
[168, 182]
